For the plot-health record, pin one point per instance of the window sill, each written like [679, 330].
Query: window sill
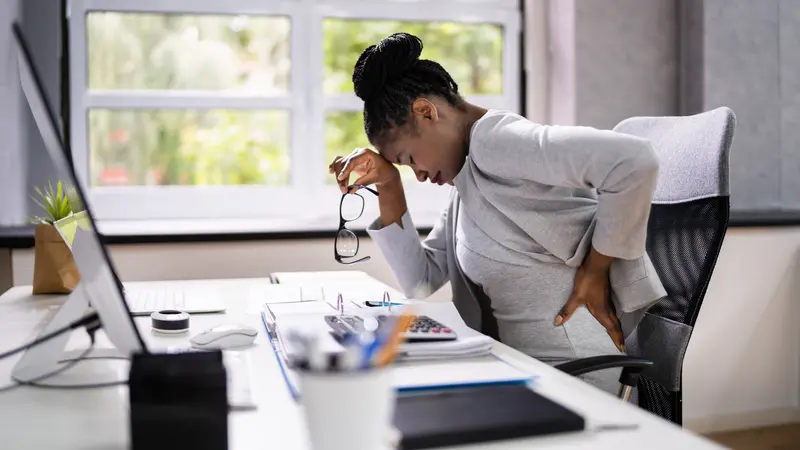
[233, 230]
[193, 231]
[212, 230]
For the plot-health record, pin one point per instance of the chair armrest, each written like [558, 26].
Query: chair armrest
[632, 366]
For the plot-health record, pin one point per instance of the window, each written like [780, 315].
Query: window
[198, 109]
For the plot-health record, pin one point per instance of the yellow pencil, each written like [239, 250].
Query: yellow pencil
[389, 351]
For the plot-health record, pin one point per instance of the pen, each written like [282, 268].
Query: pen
[374, 342]
[375, 304]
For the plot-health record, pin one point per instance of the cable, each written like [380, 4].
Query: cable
[83, 356]
[88, 320]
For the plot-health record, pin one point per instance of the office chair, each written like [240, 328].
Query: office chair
[688, 221]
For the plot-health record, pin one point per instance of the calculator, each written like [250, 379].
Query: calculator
[421, 328]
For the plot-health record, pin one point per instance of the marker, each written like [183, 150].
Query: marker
[375, 304]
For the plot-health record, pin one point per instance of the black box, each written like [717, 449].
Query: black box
[178, 400]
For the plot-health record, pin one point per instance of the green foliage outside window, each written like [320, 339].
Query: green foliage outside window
[247, 55]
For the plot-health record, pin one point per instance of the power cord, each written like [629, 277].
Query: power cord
[91, 321]
[92, 325]
[82, 357]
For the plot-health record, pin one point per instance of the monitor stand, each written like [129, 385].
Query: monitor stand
[50, 355]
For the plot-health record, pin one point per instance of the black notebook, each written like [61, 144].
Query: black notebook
[478, 414]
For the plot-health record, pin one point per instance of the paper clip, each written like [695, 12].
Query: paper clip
[386, 300]
[340, 304]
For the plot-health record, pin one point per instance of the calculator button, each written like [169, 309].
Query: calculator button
[436, 330]
[447, 330]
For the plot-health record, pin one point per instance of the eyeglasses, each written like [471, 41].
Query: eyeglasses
[350, 208]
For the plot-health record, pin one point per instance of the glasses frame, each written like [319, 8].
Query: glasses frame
[343, 226]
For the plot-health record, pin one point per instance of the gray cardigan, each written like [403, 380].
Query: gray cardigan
[541, 192]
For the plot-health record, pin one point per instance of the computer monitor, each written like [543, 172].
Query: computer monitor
[99, 287]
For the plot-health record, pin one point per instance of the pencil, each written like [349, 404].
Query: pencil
[389, 350]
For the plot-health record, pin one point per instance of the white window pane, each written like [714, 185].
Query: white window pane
[471, 52]
[177, 51]
[188, 147]
[344, 131]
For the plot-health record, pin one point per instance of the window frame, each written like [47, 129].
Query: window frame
[306, 103]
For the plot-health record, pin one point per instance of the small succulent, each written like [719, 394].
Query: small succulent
[56, 203]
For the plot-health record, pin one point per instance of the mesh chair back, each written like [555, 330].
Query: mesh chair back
[687, 224]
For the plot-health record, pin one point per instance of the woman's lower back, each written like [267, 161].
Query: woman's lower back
[526, 300]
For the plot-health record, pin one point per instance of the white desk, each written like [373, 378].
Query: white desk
[98, 419]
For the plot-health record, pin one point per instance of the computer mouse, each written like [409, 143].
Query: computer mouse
[223, 337]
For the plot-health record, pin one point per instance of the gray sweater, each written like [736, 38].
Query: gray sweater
[541, 194]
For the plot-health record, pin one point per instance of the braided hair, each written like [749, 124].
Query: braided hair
[389, 76]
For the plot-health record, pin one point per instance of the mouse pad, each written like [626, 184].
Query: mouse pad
[478, 414]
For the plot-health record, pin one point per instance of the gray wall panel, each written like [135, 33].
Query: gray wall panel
[41, 25]
[741, 71]
[626, 56]
[789, 39]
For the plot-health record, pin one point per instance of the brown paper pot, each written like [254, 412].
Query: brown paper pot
[54, 269]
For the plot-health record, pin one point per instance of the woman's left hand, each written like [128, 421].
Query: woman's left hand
[592, 289]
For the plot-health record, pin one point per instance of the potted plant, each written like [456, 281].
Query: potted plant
[54, 269]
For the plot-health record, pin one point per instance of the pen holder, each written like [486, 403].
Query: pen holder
[348, 410]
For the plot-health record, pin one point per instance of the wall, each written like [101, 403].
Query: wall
[12, 207]
[742, 368]
[612, 59]
[41, 26]
[745, 56]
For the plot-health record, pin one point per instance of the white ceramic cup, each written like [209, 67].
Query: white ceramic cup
[348, 410]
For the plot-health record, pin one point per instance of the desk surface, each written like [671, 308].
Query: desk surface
[98, 419]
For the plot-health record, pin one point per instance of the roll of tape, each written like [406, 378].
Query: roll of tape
[170, 321]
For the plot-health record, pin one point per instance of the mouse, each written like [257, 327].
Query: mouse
[224, 337]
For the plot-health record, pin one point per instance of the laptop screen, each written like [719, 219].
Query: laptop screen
[99, 280]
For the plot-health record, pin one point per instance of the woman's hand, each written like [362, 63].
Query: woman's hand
[370, 167]
[592, 288]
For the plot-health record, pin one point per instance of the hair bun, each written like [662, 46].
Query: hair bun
[379, 64]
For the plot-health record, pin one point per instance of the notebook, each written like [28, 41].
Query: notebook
[470, 415]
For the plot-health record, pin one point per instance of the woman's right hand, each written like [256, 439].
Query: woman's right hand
[368, 165]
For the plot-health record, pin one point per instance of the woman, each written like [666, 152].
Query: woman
[542, 220]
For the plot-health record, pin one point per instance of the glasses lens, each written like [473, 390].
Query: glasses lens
[347, 243]
[352, 207]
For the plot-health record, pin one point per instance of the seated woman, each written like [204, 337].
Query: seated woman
[543, 241]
